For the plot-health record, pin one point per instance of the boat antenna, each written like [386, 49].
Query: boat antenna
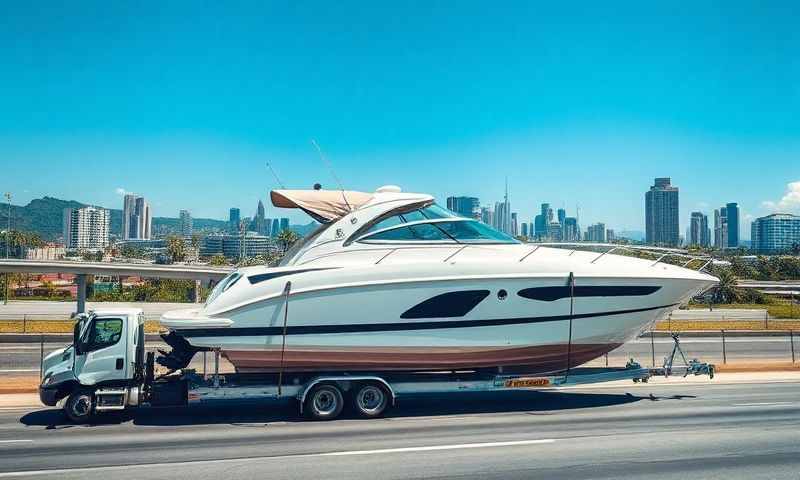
[330, 167]
[269, 165]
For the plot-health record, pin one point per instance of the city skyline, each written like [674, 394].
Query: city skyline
[552, 105]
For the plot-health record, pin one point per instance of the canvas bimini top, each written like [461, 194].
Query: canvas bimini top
[325, 206]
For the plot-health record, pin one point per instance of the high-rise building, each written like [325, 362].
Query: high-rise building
[487, 216]
[185, 224]
[524, 229]
[596, 233]
[572, 232]
[776, 233]
[86, 228]
[136, 218]
[732, 215]
[661, 214]
[467, 207]
[610, 236]
[284, 225]
[562, 215]
[258, 224]
[514, 224]
[276, 227]
[720, 228]
[542, 221]
[234, 217]
[699, 233]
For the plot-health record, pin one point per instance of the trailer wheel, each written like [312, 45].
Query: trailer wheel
[371, 400]
[324, 402]
[79, 406]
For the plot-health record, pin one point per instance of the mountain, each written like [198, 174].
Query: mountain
[45, 216]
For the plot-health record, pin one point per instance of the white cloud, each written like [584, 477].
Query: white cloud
[121, 191]
[789, 202]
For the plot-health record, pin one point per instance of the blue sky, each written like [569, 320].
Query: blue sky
[582, 103]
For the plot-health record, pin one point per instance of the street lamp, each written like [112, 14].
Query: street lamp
[8, 243]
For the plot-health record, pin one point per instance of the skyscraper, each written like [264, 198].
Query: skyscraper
[572, 232]
[185, 223]
[136, 218]
[487, 216]
[524, 229]
[698, 230]
[284, 224]
[86, 228]
[467, 207]
[720, 228]
[596, 233]
[542, 221]
[661, 214]
[732, 215]
[562, 215]
[234, 217]
[514, 224]
[276, 227]
[259, 221]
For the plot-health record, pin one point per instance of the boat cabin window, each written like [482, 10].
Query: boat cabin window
[417, 232]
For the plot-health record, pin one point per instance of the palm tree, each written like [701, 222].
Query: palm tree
[726, 291]
[176, 248]
[287, 238]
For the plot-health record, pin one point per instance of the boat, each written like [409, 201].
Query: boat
[391, 281]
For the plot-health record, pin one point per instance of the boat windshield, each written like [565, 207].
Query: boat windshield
[223, 285]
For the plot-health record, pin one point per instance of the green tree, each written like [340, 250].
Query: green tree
[726, 290]
[218, 260]
[176, 249]
[287, 238]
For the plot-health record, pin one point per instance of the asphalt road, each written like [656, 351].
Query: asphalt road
[673, 431]
[24, 358]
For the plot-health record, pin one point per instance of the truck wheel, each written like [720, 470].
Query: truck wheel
[324, 402]
[79, 406]
[371, 400]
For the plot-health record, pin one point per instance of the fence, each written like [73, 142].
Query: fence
[20, 358]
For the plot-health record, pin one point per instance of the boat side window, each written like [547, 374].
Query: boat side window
[473, 231]
[418, 232]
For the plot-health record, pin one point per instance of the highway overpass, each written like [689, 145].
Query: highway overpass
[199, 273]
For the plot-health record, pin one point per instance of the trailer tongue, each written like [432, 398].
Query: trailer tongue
[106, 370]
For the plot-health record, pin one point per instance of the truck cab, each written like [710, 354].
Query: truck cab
[100, 369]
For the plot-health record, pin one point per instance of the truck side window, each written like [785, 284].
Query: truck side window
[105, 332]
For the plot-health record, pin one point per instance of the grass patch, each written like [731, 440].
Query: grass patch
[56, 326]
[690, 325]
[776, 310]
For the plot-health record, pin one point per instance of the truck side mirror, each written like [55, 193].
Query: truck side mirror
[76, 338]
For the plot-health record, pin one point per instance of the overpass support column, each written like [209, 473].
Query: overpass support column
[196, 291]
[81, 278]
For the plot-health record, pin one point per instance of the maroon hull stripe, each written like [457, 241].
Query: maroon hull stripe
[543, 358]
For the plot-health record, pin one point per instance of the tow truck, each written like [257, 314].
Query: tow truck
[108, 369]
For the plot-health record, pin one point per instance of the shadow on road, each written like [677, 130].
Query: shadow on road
[233, 413]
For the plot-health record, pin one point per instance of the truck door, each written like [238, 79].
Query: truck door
[104, 351]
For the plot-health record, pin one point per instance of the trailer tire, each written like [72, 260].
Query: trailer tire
[324, 402]
[370, 399]
[79, 406]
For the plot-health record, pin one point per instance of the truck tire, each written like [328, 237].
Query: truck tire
[324, 402]
[371, 399]
[79, 406]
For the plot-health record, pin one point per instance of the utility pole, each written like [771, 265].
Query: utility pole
[8, 244]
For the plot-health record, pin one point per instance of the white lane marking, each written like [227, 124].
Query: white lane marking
[438, 447]
[29, 473]
[15, 441]
[761, 404]
[19, 370]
